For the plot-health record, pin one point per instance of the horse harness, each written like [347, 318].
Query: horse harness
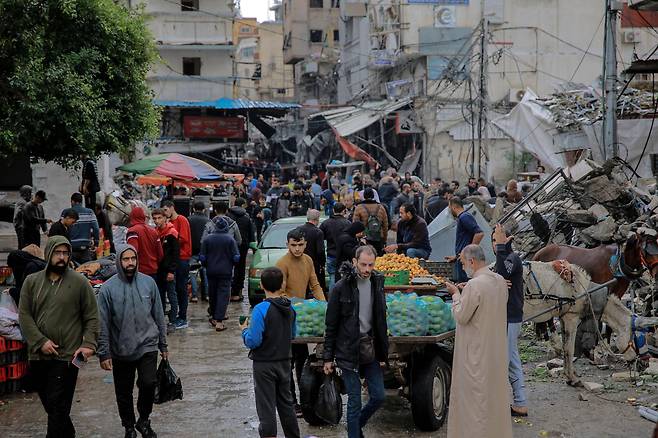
[564, 273]
[109, 205]
[620, 269]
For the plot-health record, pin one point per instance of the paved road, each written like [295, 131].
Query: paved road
[219, 400]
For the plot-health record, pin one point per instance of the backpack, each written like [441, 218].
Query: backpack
[373, 227]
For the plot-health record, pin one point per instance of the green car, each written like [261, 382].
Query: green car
[270, 249]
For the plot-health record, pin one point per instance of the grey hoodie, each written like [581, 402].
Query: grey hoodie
[132, 320]
[233, 229]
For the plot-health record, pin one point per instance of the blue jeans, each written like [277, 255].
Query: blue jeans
[168, 290]
[458, 273]
[418, 253]
[357, 417]
[331, 270]
[182, 277]
[204, 280]
[515, 367]
[219, 291]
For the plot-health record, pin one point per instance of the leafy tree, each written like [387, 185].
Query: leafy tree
[73, 79]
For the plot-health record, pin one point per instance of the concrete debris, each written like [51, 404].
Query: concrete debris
[624, 376]
[653, 367]
[581, 217]
[599, 212]
[573, 108]
[556, 372]
[582, 396]
[600, 189]
[603, 231]
[555, 363]
[593, 386]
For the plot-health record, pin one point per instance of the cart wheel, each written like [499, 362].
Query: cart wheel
[429, 393]
[309, 386]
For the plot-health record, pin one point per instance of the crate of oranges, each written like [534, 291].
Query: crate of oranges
[390, 265]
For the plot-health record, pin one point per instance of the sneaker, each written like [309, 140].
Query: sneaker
[144, 428]
[194, 300]
[180, 324]
[171, 327]
[298, 411]
[130, 433]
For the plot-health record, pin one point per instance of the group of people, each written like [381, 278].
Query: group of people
[126, 327]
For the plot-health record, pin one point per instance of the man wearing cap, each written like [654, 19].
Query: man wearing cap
[19, 223]
[34, 220]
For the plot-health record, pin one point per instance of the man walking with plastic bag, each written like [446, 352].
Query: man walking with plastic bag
[133, 330]
[356, 336]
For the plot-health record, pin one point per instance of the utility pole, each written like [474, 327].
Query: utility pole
[484, 97]
[610, 142]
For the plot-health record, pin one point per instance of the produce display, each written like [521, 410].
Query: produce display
[310, 317]
[406, 315]
[400, 262]
[440, 315]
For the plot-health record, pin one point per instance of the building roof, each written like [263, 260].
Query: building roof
[351, 119]
[229, 104]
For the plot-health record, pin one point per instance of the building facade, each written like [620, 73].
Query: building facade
[311, 43]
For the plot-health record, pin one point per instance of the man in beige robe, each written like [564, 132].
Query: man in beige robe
[479, 396]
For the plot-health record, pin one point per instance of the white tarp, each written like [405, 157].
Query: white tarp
[531, 127]
[632, 136]
[351, 119]
[443, 231]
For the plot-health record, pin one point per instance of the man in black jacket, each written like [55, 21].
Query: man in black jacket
[169, 263]
[248, 233]
[198, 221]
[34, 221]
[331, 228]
[413, 236]
[356, 336]
[315, 244]
[300, 201]
[510, 267]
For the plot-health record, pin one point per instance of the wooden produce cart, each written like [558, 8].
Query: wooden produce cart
[419, 366]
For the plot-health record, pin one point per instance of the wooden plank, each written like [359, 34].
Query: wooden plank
[391, 339]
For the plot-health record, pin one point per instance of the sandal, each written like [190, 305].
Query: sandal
[220, 327]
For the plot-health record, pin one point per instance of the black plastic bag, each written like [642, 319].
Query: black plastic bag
[329, 405]
[168, 386]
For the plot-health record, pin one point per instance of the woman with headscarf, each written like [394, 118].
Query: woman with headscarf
[347, 242]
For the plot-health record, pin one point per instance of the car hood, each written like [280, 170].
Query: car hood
[266, 258]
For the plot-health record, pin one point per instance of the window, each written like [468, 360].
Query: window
[192, 66]
[316, 36]
[281, 91]
[336, 35]
[247, 52]
[316, 3]
[335, 3]
[245, 29]
[189, 5]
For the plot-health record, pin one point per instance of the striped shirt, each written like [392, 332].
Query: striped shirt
[84, 229]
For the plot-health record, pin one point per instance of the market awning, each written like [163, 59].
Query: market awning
[351, 119]
[176, 166]
[229, 104]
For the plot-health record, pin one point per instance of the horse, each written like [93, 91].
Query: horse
[546, 290]
[603, 263]
[118, 208]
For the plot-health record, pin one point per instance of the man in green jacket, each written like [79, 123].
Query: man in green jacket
[59, 319]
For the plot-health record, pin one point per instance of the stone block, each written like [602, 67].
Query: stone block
[593, 386]
[555, 363]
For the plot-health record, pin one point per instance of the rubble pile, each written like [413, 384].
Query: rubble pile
[573, 108]
[596, 205]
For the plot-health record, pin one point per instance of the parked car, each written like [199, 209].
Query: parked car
[270, 249]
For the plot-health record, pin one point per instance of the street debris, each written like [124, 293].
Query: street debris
[573, 108]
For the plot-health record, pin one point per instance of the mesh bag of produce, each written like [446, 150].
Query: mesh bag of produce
[406, 315]
[439, 314]
[310, 317]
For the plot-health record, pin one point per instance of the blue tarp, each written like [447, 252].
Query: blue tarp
[228, 104]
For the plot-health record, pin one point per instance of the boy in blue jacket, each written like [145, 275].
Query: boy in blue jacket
[268, 335]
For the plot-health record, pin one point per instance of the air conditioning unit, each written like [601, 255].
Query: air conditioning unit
[516, 94]
[631, 36]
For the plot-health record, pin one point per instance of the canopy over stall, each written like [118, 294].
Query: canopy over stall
[175, 166]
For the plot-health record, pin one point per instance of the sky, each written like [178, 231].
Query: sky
[256, 8]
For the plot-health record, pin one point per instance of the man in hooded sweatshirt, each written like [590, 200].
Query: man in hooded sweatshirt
[133, 330]
[219, 253]
[168, 264]
[248, 232]
[58, 316]
[146, 242]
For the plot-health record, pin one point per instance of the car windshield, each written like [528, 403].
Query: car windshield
[275, 236]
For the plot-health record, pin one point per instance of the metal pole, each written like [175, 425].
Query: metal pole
[484, 96]
[610, 143]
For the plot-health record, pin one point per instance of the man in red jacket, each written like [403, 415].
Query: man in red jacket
[146, 241]
[182, 226]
